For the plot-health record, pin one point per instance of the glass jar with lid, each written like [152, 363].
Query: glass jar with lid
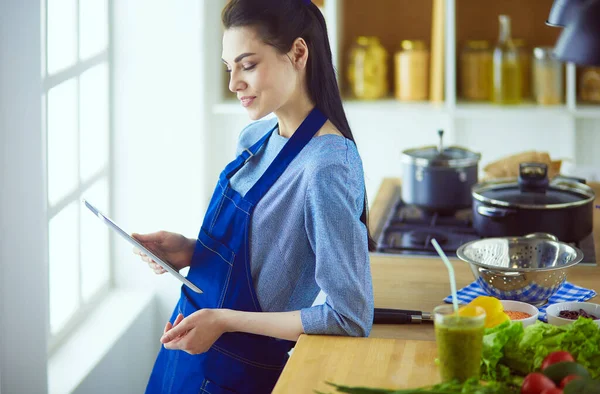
[412, 71]
[367, 69]
[589, 85]
[476, 62]
[548, 86]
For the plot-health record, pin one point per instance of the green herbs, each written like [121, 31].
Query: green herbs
[471, 386]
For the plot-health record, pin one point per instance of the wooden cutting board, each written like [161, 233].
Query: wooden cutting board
[371, 362]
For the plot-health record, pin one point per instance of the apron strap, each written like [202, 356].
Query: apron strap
[246, 155]
[307, 129]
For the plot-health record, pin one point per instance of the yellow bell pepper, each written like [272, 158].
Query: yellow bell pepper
[494, 311]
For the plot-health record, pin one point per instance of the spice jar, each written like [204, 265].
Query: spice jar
[367, 69]
[589, 85]
[525, 61]
[412, 71]
[476, 61]
[547, 77]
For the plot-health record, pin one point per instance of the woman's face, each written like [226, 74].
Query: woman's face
[263, 79]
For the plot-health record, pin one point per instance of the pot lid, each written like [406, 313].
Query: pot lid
[533, 190]
[432, 154]
[452, 156]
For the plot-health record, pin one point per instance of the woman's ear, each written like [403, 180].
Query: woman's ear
[299, 53]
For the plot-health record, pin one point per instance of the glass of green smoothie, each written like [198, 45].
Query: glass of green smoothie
[459, 338]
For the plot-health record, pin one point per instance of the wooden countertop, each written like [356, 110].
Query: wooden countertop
[370, 362]
[418, 283]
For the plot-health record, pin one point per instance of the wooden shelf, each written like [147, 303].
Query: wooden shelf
[391, 105]
[352, 106]
[425, 108]
[587, 111]
[528, 109]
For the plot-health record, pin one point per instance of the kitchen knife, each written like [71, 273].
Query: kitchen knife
[400, 316]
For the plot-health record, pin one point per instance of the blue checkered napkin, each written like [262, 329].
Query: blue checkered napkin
[568, 292]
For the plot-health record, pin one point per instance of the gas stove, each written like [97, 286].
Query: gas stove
[409, 230]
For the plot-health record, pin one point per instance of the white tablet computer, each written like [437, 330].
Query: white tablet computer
[112, 225]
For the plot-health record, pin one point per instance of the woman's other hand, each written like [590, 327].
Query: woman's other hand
[196, 333]
[172, 247]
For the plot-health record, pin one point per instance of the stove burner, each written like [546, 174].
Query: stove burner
[409, 230]
[424, 237]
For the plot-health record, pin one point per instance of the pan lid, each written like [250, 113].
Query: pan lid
[533, 190]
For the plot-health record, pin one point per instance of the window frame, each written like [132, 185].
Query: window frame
[48, 82]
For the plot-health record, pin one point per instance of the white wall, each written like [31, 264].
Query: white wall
[23, 277]
[588, 151]
[381, 135]
[124, 369]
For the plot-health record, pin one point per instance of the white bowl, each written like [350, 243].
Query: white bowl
[553, 311]
[518, 306]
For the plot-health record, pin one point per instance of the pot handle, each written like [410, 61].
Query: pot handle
[494, 212]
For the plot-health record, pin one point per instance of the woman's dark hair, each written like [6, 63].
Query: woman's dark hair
[279, 23]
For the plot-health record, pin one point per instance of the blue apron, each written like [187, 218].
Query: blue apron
[237, 362]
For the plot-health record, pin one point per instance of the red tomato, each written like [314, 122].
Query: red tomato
[535, 383]
[556, 357]
[567, 379]
[554, 390]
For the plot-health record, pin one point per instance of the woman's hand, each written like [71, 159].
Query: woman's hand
[173, 248]
[196, 333]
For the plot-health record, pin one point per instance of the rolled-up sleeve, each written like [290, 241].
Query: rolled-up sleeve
[333, 206]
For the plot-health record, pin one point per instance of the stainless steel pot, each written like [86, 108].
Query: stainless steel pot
[437, 178]
[532, 203]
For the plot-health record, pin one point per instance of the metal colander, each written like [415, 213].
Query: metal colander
[529, 269]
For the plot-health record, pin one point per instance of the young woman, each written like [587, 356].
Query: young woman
[288, 216]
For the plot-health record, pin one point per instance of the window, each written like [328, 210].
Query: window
[76, 70]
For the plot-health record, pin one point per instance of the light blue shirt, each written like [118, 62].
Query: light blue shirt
[306, 234]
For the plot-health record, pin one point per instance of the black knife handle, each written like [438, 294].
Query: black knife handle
[401, 311]
[391, 318]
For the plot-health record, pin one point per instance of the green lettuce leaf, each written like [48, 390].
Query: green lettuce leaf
[508, 349]
[495, 341]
